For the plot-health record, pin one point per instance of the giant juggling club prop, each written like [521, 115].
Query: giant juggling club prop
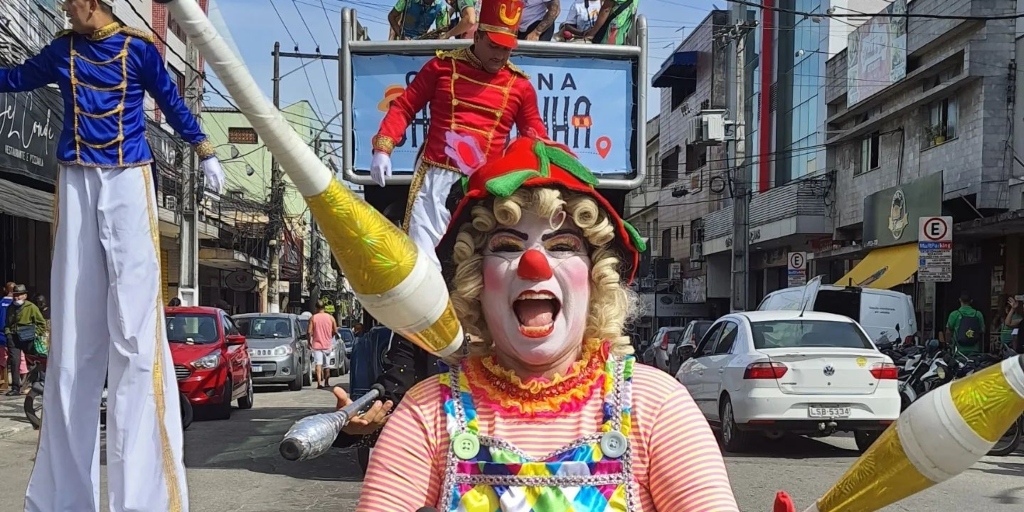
[390, 277]
[938, 437]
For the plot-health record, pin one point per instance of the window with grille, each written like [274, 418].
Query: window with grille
[242, 136]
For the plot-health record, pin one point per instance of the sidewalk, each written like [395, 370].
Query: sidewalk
[12, 416]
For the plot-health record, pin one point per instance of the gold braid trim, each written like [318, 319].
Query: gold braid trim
[140, 34]
[383, 143]
[110, 30]
[204, 149]
[464, 55]
[63, 33]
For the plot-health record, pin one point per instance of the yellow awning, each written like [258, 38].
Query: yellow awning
[884, 268]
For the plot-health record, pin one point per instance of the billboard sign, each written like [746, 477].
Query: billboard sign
[876, 55]
[586, 103]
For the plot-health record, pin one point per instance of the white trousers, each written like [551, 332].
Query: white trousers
[107, 316]
[428, 217]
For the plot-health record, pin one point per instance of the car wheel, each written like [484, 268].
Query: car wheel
[733, 439]
[187, 413]
[865, 438]
[222, 411]
[296, 385]
[246, 401]
[308, 376]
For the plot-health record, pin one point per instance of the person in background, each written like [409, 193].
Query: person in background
[614, 22]
[322, 328]
[581, 18]
[175, 302]
[6, 300]
[463, 23]
[538, 19]
[965, 328]
[1011, 322]
[23, 325]
[411, 19]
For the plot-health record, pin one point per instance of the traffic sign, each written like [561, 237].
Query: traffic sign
[935, 248]
[797, 268]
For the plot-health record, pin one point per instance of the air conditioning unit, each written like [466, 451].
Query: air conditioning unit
[707, 128]
[675, 270]
[697, 251]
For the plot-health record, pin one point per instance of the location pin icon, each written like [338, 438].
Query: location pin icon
[604, 146]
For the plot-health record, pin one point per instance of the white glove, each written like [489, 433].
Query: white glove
[214, 174]
[380, 167]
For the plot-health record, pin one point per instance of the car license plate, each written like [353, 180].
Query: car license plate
[828, 411]
[257, 368]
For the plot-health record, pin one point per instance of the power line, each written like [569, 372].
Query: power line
[883, 14]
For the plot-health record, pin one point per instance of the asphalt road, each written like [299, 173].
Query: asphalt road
[234, 465]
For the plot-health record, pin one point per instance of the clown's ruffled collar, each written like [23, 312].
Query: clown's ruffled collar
[507, 394]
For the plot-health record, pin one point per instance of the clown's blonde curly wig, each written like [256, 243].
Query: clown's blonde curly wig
[612, 304]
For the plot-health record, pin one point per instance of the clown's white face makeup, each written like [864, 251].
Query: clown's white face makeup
[536, 292]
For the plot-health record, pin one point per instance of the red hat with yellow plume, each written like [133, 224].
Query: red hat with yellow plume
[532, 162]
[500, 20]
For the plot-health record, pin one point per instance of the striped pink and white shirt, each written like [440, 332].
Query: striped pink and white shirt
[676, 460]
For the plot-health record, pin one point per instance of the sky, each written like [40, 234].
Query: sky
[256, 24]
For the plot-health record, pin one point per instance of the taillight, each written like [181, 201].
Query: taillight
[765, 371]
[664, 342]
[885, 371]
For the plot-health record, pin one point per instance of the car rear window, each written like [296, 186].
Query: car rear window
[264, 327]
[807, 333]
[675, 335]
[701, 328]
[192, 328]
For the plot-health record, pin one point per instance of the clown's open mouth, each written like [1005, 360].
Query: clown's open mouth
[536, 312]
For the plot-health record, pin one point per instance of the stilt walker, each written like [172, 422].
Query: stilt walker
[107, 306]
[475, 97]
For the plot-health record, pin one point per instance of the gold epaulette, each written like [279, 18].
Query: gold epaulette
[465, 55]
[459, 54]
[517, 70]
[136, 33]
[63, 33]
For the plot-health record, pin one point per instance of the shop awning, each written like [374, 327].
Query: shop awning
[678, 67]
[883, 268]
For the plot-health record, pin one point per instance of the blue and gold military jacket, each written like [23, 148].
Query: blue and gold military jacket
[104, 78]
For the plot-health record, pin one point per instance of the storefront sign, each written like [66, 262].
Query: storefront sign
[30, 123]
[797, 268]
[889, 214]
[693, 289]
[935, 243]
[671, 305]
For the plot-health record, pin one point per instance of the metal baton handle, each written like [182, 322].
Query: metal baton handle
[312, 436]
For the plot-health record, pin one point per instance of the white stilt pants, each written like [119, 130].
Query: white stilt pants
[107, 313]
[427, 215]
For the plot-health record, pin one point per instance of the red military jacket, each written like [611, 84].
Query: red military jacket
[467, 100]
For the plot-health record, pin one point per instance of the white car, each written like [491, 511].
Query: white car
[775, 372]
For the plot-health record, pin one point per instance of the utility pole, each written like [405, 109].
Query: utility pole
[276, 217]
[313, 267]
[191, 188]
[740, 173]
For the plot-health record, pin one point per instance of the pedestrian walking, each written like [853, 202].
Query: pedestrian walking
[108, 309]
[6, 300]
[23, 326]
[965, 328]
[322, 329]
[1013, 313]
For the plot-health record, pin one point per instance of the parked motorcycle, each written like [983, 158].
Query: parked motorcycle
[36, 378]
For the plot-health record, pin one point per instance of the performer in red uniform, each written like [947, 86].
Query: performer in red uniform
[476, 96]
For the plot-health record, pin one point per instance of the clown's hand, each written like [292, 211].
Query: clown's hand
[368, 422]
[380, 167]
[214, 174]
[783, 503]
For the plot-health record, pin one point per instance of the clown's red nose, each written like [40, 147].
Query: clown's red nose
[533, 266]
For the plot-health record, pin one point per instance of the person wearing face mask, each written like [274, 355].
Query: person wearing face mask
[475, 96]
[107, 308]
[549, 396]
[24, 324]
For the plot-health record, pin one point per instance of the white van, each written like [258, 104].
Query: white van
[882, 313]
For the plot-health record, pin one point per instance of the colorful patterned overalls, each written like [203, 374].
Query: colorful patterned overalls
[592, 474]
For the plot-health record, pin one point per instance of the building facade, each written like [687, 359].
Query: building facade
[692, 174]
[929, 136]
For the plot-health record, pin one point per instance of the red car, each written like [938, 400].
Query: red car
[211, 359]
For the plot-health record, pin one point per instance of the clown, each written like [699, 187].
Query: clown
[476, 96]
[548, 410]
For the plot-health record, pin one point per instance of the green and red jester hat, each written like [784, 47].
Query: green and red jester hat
[533, 162]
